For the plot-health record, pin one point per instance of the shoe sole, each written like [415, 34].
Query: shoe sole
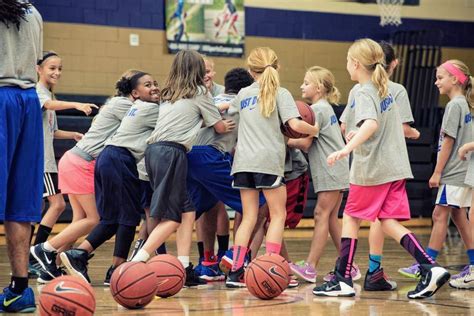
[333, 294]
[70, 269]
[302, 276]
[462, 288]
[33, 253]
[409, 275]
[440, 281]
[211, 278]
[235, 285]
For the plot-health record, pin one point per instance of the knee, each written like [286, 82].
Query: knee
[58, 206]
[439, 216]
[320, 214]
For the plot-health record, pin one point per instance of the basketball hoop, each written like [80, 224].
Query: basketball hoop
[390, 12]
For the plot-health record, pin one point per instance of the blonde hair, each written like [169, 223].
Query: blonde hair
[467, 86]
[264, 61]
[208, 60]
[324, 79]
[371, 56]
[186, 75]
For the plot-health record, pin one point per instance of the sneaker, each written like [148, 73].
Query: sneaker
[138, 245]
[412, 271]
[46, 259]
[293, 282]
[355, 274]
[76, 261]
[462, 274]
[432, 278]
[226, 262]
[191, 278]
[14, 303]
[45, 278]
[337, 287]
[34, 269]
[378, 281]
[236, 279]
[209, 271]
[304, 271]
[466, 282]
[108, 275]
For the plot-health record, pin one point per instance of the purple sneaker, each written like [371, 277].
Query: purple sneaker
[412, 271]
[304, 271]
[355, 274]
[462, 274]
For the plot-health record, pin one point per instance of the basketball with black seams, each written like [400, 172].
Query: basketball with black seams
[133, 285]
[267, 276]
[306, 114]
[67, 296]
[170, 274]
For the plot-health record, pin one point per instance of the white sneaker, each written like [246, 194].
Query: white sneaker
[466, 282]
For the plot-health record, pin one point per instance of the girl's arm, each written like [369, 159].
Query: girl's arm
[343, 128]
[302, 127]
[60, 134]
[462, 152]
[224, 126]
[366, 130]
[443, 157]
[410, 132]
[301, 143]
[57, 105]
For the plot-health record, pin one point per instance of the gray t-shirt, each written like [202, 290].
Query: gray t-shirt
[328, 140]
[457, 123]
[297, 164]
[348, 115]
[261, 145]
[20, 50]
[217, 89]
[104, 125]
[50, 125]
[383, 157]
[470, 171]
[207, 136]
[135, 128]
[181, 121]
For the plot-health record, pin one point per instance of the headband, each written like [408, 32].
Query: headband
[46, 56]
[455, 71]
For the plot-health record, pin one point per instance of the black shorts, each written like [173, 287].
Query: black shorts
[167, 168]
[50, 184]
[255, 180]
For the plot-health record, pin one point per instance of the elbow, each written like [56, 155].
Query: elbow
[219, 127]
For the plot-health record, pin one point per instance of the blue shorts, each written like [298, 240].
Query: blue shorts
[146, 194]
[117, 187]
[21, 155]
[209, 180]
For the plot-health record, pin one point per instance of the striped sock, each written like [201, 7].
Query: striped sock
[346, 256]
[415, 249]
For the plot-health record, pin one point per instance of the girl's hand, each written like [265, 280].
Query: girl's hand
[434, 180]
[338, 155]
[86, 107]
[462, 152]
[415, 134]
[350, 135]
[77, 136]
[229, 125]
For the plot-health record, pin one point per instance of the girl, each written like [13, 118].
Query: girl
[260, 154]
[377, 190]
[49, 69]
[319, 88]
[454, 196]
[187, 105]
[76, 174]
[116, 181]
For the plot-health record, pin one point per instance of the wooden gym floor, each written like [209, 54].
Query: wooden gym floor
[215, 299]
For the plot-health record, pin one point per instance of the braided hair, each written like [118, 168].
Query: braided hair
[12, 12]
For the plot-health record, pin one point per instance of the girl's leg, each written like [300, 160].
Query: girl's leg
[222, 232]
[276, 200]
[55, 209]
[335, 228]
[440, 218]
[376, 241]
[459, 217]
[157, 237]
[184, 236]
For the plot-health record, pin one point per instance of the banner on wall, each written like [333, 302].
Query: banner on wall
[211, 27]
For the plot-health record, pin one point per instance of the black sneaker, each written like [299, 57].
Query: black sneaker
[108, 275]
[378, 281]
[76, 261]
[235, 279]
[45, 278]
[138, 245]
[338, 286]
[46, 259]
[191, 278]
[432, 278]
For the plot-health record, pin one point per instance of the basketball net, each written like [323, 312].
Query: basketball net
[390, 12]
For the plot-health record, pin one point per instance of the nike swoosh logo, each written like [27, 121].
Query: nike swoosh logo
[60, 288]
[466, 282]
[47, 260]
[309, 272]
[273, 270]
[330, 288]
[7, 303]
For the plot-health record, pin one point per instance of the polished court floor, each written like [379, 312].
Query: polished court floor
[215, 299]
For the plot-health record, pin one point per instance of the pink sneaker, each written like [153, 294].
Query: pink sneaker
[304, 271]
[355, 274]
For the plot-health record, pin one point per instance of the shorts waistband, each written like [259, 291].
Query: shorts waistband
[172, 144]
[81, 153]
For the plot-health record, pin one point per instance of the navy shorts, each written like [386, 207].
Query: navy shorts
[209, 180]
[21, 155]
[117, 187]
[255, 180]
[146, 194]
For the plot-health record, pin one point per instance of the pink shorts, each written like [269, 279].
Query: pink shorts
[76, 175]
[388, 200]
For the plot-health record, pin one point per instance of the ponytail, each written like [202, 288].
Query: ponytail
[460, 70]
[323, 78]
[380, 80]
[334, 95]
[470, 92]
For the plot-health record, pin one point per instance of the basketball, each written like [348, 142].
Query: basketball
[133, 285]
[67, 295]
[267, 276]
[306, 114]
[170, 274]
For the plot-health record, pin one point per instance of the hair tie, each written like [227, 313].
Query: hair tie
[455, 71]
[268, 66]
[46, 56]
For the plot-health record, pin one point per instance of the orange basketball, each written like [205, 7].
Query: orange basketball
[306, 114]
[267, 276]
[170, 274]
[133, 285]
[67, 295]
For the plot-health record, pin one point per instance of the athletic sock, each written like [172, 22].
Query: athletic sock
[184, 261]
[432, 253]
[48, 247]
[201, 250]
[18, 284]
[375, 262]
[42, 234]
[222, 243]
[239, 257]
[141, 255]
[470, 254]
[346, 256]
[272, 247]
[415, 249]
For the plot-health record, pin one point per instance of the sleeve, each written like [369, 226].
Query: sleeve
[286, 106]
[152, 116]
[319, 118]
[404, 107]
[365, 108]
[119, 109]
[451, 118]
[43, 98]
[209, 112]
